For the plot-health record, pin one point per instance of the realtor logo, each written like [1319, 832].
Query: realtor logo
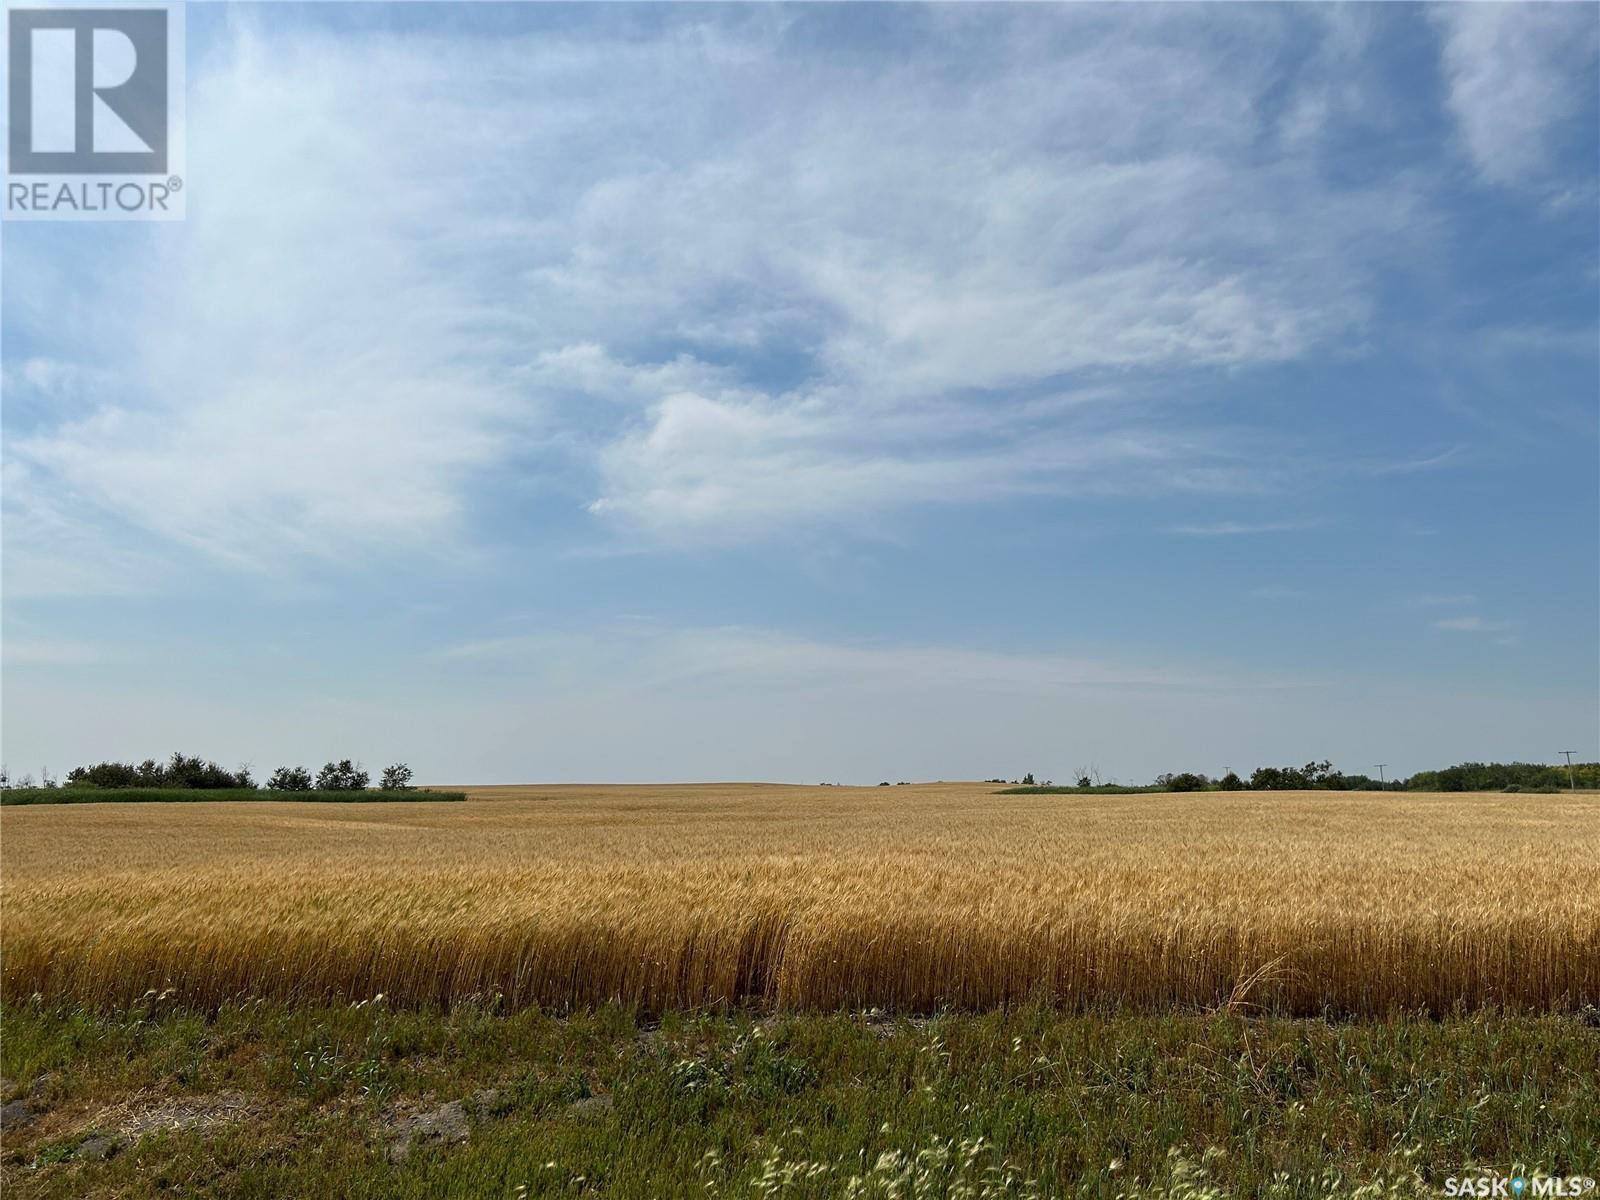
[88, 91]
[94, 105]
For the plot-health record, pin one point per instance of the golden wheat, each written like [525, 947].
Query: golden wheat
[909, 898]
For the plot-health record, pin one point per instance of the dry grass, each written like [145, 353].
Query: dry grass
[911, 898]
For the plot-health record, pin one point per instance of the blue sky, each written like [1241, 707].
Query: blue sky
[821, 393]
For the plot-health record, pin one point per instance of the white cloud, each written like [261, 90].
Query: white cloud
[732, 467]
[1240, 528]
[649, 654]
[55, 545]
[295, 379]
[546, 255]
[1474, 624]
[1516, 73]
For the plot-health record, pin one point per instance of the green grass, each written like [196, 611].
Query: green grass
[734, 1105]
[77, 794]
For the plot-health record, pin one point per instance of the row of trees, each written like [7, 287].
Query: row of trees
[342, 776]
[191, 771]
[1464, 777]
[179, 771]
[1484, 777]
[1319, 776]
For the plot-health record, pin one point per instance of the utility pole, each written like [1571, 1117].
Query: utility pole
[1383, 785]
[1571, 783]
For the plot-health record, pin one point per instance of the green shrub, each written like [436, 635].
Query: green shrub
[290, 779]
[342, 776]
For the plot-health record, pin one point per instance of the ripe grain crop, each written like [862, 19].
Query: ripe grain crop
[913, 898]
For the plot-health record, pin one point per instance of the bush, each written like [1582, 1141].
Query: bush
[396, 778]
[342, 776]
[180, 771]
[106, 775]
[1483, 777]
[290, 779]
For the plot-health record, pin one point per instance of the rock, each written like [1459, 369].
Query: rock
[485, 1104]
[17, 1112]
[592, 1106]
[447, 1124]
[98, 1146]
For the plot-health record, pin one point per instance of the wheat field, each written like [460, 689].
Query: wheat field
[911, 898]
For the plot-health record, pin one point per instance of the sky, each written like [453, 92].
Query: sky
[818, 393]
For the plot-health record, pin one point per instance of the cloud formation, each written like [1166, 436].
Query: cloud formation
[1517, 75]
[951, 280]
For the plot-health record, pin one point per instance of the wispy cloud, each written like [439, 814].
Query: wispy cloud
[664, 654]
[1240, 528]
[1474, 624]
[341, 368]
[1453, 455]
[1516, 74]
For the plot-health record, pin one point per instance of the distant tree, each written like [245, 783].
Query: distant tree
[191, 771]
[1274, 779]
[1320, 774]
[342, 776]
[180, 771]
[396, 778]
[290, 779]
[1027, 780]
[1187, 781]
[1231, 782]
[105, 775]
[1477, 777]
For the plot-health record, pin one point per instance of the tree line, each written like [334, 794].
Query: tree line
[192, 771]
[1323, 776]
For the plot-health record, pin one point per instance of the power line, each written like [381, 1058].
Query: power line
[1570, 779]
[1382, 783]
